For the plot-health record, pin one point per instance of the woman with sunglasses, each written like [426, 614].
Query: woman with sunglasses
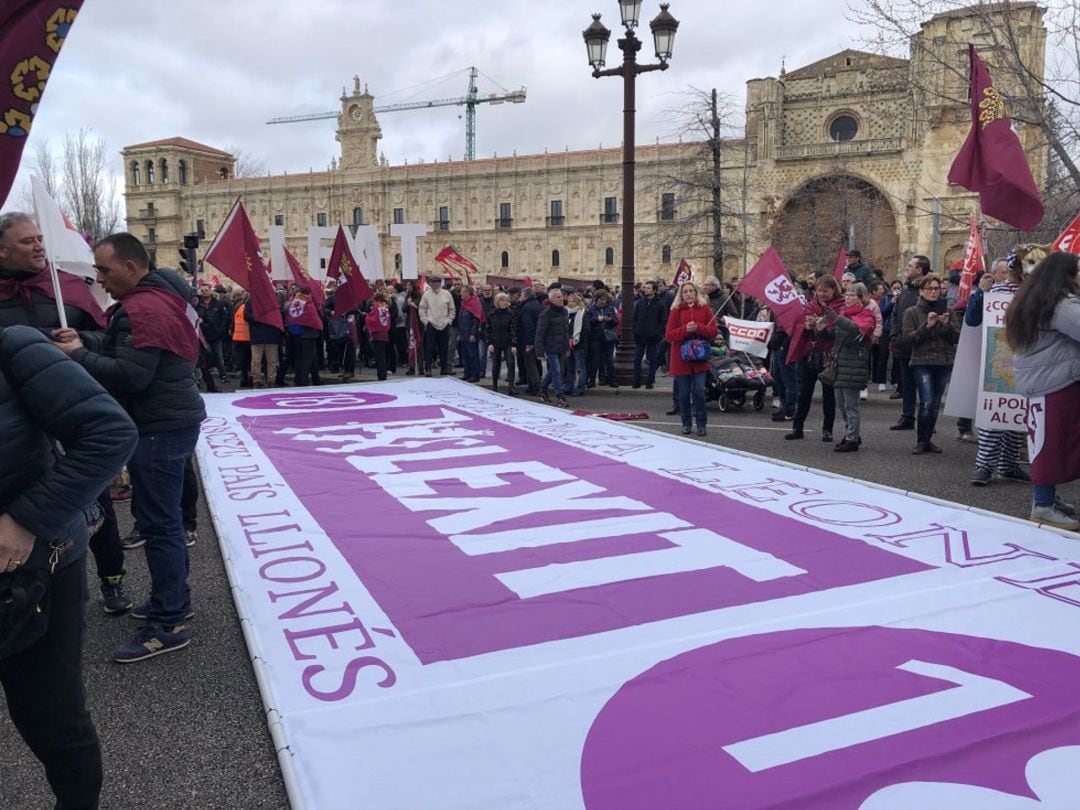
[932, 333]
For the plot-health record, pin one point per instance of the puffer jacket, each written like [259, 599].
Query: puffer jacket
[44, 397]
[156, 387]
[854, 328]
[1053, 362]
[553, 331]
[500, 330]
[931, 347]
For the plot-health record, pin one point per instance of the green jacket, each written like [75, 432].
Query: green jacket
[931, 346]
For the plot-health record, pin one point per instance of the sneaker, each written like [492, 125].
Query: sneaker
[686, 431]
[847, 447]
[981, 477]
[1017, 474]
[778, 416]
[881, 387]
[545, 396]
[150, 641]
[561, 403]
[1067, 508]
[933, 448]
[672, 412]
[114, 600]
[141, 611]
[826, 435]
[133, 541]
[920, 448]
[1052, 516]
[864, 395]
[896, 395]
[966, 436]
[794, 434]
[191, 537]
[903, 425]
[648, 386]
[701, 431]
[776, 403]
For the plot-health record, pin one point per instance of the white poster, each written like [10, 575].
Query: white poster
[751, 337]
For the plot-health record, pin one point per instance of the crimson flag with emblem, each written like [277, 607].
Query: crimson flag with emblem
[352, 287]
[235, 251]
[992, 162]
[769, 282]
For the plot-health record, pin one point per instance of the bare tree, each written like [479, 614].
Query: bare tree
[1045, 99]
[246, 164]
[708, 183]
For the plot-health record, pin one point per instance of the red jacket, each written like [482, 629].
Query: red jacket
[676, 333]
[377, 322]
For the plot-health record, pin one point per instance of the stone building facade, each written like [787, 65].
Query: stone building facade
[854, 148]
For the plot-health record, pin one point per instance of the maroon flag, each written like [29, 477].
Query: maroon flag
[74, 290]
[841, 265]
[303, 278]
[31, 35]
[352, 288]
[682, 274]
[992, 160]
[415, 340]
[303, 312]
[457, 265]
[768, 281]
[235, 252]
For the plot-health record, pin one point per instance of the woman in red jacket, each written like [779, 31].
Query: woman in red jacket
[690, 317]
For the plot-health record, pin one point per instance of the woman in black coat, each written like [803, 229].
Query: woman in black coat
[500, 333]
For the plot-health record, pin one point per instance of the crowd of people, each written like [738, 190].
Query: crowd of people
[120, 388]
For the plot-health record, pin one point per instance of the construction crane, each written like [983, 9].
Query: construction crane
[469, 100]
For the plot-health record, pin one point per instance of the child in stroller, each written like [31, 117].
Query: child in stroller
[735, 377]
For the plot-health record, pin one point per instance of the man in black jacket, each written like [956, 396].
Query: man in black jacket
[650, 318]
[45, 398]
[528, 359]
[215, 317]
[917, 267]
[146, 359]
[553, 342]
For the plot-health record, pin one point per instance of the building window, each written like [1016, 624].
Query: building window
[134, 172]
[505, 219]
[843, 128]
[609, 257]
[665, 254]
[322, 263]
[150, 172]
[504, 261]
[164, 172]
[151, 235]
[554, 258]
[200, 228]
[556, 219]
[399, 216]
[397, 260]
[357, 217]
[181, 171]
[150, 210]
[667, 207]
[443, 222]
[611, 210]
[223, 172]
[279, 219]
[320, 219]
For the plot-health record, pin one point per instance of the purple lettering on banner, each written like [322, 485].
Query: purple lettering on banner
[475, 536]
[826, 718]
[285, 401]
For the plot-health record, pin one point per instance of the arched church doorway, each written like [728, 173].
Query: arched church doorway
[824, 213]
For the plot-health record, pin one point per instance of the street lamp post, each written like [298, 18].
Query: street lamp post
[596, 39]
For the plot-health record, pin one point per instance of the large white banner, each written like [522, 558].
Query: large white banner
[460, 600]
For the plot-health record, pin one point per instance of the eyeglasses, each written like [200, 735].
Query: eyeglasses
[934, 288]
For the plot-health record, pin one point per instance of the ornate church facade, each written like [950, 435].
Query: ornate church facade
[853, 149]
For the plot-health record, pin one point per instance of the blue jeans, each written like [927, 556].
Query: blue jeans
[470, 358]
[579, 369]
[648, 351]
[157, 477]
[553, 375]
[1043, 494]
[786, 383]
[930, 382]
[690, 390]
[482, 355]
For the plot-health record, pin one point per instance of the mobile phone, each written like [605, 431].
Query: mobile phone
[940, 306]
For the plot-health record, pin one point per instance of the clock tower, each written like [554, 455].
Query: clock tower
[358, 129]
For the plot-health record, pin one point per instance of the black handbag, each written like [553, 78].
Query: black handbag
[24, 608]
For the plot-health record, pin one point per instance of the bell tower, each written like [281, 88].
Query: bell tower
[358, 129]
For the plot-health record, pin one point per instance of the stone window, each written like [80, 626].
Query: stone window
[150, 172]
[504, 261]
[609, 256]
[843, 127]
[320, 219]
[164, 172]
[181, 172]
[665, 254]
[135, 173]
[554, 258]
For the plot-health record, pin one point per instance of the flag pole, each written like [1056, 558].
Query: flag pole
[57, 293]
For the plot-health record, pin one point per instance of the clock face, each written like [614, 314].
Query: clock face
[354, 113]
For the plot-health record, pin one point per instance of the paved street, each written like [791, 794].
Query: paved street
[187, 730]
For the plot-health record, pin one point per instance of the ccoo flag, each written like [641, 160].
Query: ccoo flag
[31, 35]
[235, 252]
[352, 287]
[992, 162]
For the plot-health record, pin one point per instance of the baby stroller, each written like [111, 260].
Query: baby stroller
[735, 377]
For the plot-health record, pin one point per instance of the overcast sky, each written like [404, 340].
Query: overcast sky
[214, 72]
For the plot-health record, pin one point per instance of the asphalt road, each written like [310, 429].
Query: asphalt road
[187, 730]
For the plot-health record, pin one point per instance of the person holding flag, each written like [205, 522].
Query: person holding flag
[470, 329]
[146, 359]
[304, 325]
[377, 322]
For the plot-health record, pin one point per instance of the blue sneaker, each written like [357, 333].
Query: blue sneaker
[152, 640]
